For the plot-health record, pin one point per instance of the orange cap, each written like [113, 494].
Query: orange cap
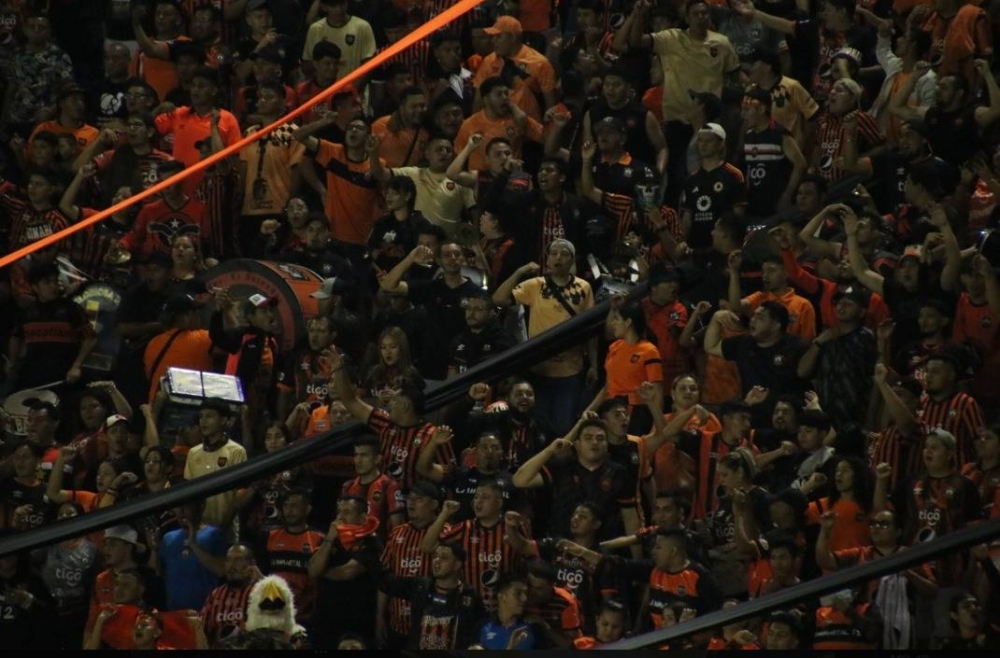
[505, 25]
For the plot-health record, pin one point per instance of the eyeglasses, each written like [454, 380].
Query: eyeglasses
[135, 95]
[885, 525]
[356, 128]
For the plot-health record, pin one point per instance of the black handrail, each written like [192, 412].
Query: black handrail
[531, 352]
[836, 581]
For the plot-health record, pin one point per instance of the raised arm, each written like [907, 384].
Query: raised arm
[345, 389]
[587, 187]
[898, 411]
[529, 475]
[456, 170]
[820, 247]
[149, 47]
[430, 540]
[713, 336]
[953, 254]
[631, 36]
[393, 279]
[746, 8]
[987, 115]
[425, 460]
[984, 268]
[865, 275]
[898, 104]
[304, 135]
[825, 558]
[503, 296]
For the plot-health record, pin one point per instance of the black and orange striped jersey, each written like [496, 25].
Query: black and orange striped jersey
[561, 612]
[442, 619]
[632, 455]
[691, 587]
[574, 574]
[488, 556]
[942, 505]
[402, 445]
[402, 557]
[904, 452]
[987, 483]
[287, 555]
[959, 414]
[838, 630]
[225, 612]
[384, 498]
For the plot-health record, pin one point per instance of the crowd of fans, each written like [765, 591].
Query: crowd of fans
[808, 381]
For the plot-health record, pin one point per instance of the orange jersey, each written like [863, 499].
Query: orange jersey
[851, 529]
[490, 129]
[288, 556]
[352, 195]
[666, 323]
[160, 74]
[802, 314]
[402, 147]
[629, 365]
[539, 78]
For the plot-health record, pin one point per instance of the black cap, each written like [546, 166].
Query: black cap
[944, 308]
[856, 294]
[428, 489]
[161, 258]
[712, 103]
[610, 123]
[68, 89]
[759, 95]
[664, 275]
[178, 304]
[258, 4]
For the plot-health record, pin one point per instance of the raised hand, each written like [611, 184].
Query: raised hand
[735, 260]
[827, 520]
[588, 150]
[881, 373]
[479, 391]
[450, 507]
[442, 435]
[883, 471]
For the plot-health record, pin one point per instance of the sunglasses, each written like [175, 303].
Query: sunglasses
[880, 524]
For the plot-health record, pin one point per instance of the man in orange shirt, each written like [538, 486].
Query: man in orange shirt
[527, 72]
[183, 345]
[152, 63]
[500, 117]
[351, 193]
[184, 127]
[403, 140]
[802, 314]
[70, 118]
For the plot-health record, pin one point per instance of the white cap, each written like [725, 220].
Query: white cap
[715, 129]
[115, 418]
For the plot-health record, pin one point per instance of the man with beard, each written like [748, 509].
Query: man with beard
[225, 611]
[483, 337]
[463, 482]
[121, 546]
[953, 122]
[831, 133]
[306, 380]
[500, 117]
[402, 138]
[403, 558]
[714, 190]
[946, 406]
[318, 254]
[934, 322]
[514, 418]
[774, 280]
[445, 611]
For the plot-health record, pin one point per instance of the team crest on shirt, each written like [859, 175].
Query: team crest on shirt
[450, 186]
[718, 186]
[952, 413]
[634, 458]
[306, 548]
[681, 590]
[605, 484]
[400, 539]
[223, 461]
[714, 51]
[779, 359]
[417, 441]
[634, 359]
[628, 172]
[510, 132]
[675, 316]
[986, 322]
[949, 493]
[376, 496]
[349, 39]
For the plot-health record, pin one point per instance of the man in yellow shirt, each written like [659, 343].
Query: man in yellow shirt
[692, 59]
[216, 452]
[528, 73]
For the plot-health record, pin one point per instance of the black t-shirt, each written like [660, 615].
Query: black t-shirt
[446, 319]
[326, 263]
[469, 349]
[889, 170]
[571, 484]
[438, 619]
[775, 367]
[51, 333]
[107, 102]
[954, 136]
[904, 306]
[620, 177]
[709, 195]
[633, 116]
[395, 239]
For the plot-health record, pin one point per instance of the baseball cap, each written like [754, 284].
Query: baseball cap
[114, 419]
[664, 275]
[565, 244]
[610, 123]
[913, 251]
[160, 258]
[712, 103]
[125, 533]
[68, 89]
[759, 95]
[178, 304]
[856, 294]
[258, 4]
[505, 25]
[815, 419]
[330, 287]
[715, 129]
[427, 489]
[258, 301]
[849, 53]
